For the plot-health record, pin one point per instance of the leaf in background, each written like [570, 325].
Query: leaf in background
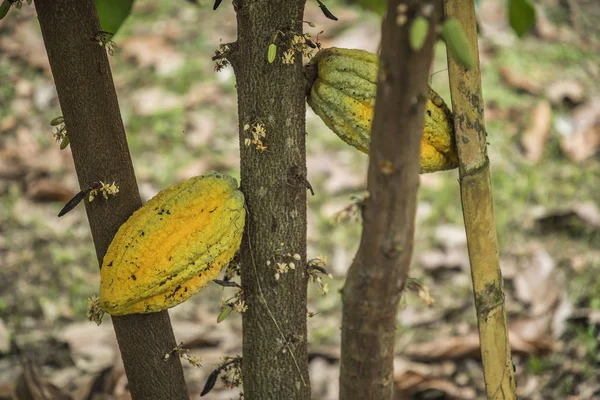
[377, 6]
[521, 15]
[418, 33]
[112, 13]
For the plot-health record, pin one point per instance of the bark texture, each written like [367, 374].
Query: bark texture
[275, 361]
[91, 111]
[378, 274]
[478, 213]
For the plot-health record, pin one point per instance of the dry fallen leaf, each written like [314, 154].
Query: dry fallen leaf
[574, 218]
[581, 133]
[467, 346]
[43, 190]
[535, 137]
[544, 27]
[150, 50]
[568, 92]
[518, 82]
[148, 101]
[30, 385]
[536, 283]
[412, 377]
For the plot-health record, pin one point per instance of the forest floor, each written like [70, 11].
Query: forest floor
[542, 112]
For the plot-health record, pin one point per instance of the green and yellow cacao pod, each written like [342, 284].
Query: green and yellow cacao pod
[173, 246]
[343, 95]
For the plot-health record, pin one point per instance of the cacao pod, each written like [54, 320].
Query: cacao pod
[343, 95]
[173, 246]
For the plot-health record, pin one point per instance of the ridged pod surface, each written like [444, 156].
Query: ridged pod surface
[343, 95]
[173, 246]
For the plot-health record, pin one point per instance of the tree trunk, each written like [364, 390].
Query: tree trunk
[275, 361]
[378, 274]
[89, 104]
[478, 212]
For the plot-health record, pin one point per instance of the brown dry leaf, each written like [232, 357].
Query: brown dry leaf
[148, 101]
[581, 134]
[207, 93]
[93, 348]
[30, 385]
[451, 236]
[7, 391]
[518, 82]
[24, 39]
[467, 346]
[339, 172]
[531, 335]
[43, 190]
[544, 27]
[568, 92]
[452, 258]
[451, 390]
[200, 130]
[150, 50]
[493, 20]
[537, 284]
[444, 348]
[575, 217]
[411, 378]
[11, 164]
[535, 137]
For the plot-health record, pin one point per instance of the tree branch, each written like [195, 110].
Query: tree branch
[91, 111]
[378, 274]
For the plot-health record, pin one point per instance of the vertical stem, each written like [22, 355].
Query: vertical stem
[275, 358]
[378, 274]
[476, 195]
[97, 137]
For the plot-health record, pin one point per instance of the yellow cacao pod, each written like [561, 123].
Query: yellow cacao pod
[343, 95]
[173, 246]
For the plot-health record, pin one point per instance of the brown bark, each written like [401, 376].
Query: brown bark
[275, 361]
[91, 111]
[378, 274]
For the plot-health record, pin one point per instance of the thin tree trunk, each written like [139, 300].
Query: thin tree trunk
[89, 104]
[378, 274]
[478, 213]
[275, 361]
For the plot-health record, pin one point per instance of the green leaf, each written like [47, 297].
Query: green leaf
[4, 8]
[457, 43]
[521, 15]
[64, 142]
[224, 314]
[57, 121]
[418, 33]
[271, 53]
[377, 6]
[112, 13]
